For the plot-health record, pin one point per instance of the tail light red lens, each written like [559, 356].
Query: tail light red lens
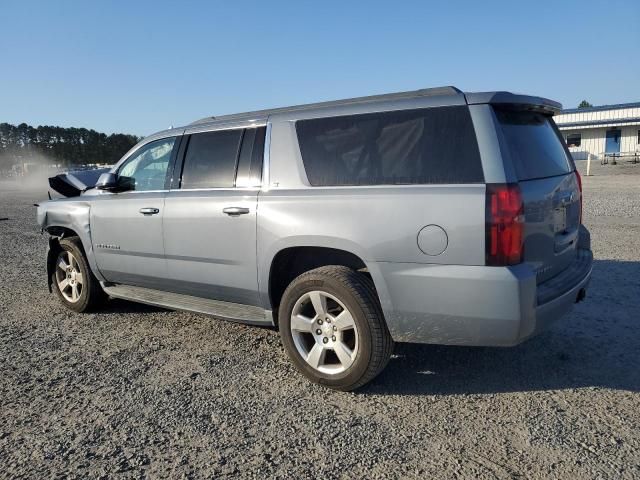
[579, 178]
[504, 224]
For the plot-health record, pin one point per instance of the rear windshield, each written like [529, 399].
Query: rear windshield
[534, 144]
[426, 146]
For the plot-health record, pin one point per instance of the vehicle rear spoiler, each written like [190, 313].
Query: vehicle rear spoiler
[514, 101]
[72, 184]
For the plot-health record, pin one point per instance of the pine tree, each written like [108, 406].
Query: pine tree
[60, 146]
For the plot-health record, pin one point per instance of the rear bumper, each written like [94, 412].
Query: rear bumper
[547, 313]
[474, 305]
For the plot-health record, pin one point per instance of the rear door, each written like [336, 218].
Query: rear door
[210, 216]
[550, 190]
[126, 227]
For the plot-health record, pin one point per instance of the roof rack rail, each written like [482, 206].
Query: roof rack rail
[425, 92]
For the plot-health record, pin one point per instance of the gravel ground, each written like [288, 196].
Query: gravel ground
[136, 391]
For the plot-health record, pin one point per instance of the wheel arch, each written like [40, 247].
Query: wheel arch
[57, 233]
[290, 261]
[69, 217]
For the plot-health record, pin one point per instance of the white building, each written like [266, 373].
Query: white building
[610, 129]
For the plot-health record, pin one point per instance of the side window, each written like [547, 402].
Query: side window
[148, 166]
[251, 158]
[426, 146]
[210, 160]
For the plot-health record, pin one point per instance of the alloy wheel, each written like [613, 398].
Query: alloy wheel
[324, 332]
[69, 276]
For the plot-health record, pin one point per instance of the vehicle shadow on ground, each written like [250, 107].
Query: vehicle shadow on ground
[117, 305]
[597, 345]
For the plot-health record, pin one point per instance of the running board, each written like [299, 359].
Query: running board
[234, 312]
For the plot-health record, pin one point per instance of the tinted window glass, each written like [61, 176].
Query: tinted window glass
[534, 144]
[148, 166]
[257, 155]
[436, 145]
[210, 160]
[251, 158]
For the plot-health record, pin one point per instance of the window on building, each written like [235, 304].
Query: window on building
[211, 158]
[435, 145]
[639, 138]
[574, 140]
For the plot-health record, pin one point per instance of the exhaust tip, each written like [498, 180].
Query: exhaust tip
[582, 294]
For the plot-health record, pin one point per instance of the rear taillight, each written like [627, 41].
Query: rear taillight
[579, 178]
[504, 224]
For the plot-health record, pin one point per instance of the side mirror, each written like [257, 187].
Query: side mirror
[107, 181]
[115, 183]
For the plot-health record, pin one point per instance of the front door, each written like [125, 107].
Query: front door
[612, 142]
[210, 218]
[126, 227]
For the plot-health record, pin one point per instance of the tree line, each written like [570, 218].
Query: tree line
[24, 145]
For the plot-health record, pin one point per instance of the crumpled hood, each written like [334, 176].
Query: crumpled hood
[72, 184]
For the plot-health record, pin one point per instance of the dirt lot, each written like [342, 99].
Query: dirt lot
[136, 391]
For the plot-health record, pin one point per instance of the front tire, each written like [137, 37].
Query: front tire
[74, 283]
[333, 329]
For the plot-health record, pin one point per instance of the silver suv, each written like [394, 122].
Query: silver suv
[432, 216]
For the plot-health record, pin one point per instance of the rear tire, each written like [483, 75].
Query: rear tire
[72, 280]
[333, 329]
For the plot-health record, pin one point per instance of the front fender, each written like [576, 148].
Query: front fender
[65, 217]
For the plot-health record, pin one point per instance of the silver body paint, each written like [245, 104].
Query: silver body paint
[195, 251]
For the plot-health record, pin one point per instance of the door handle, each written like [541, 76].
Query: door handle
[235, 211]
[149, 211]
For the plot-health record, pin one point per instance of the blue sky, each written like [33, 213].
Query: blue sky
[138, 67]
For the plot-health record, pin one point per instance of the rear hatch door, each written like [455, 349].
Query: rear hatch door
[549, 186]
